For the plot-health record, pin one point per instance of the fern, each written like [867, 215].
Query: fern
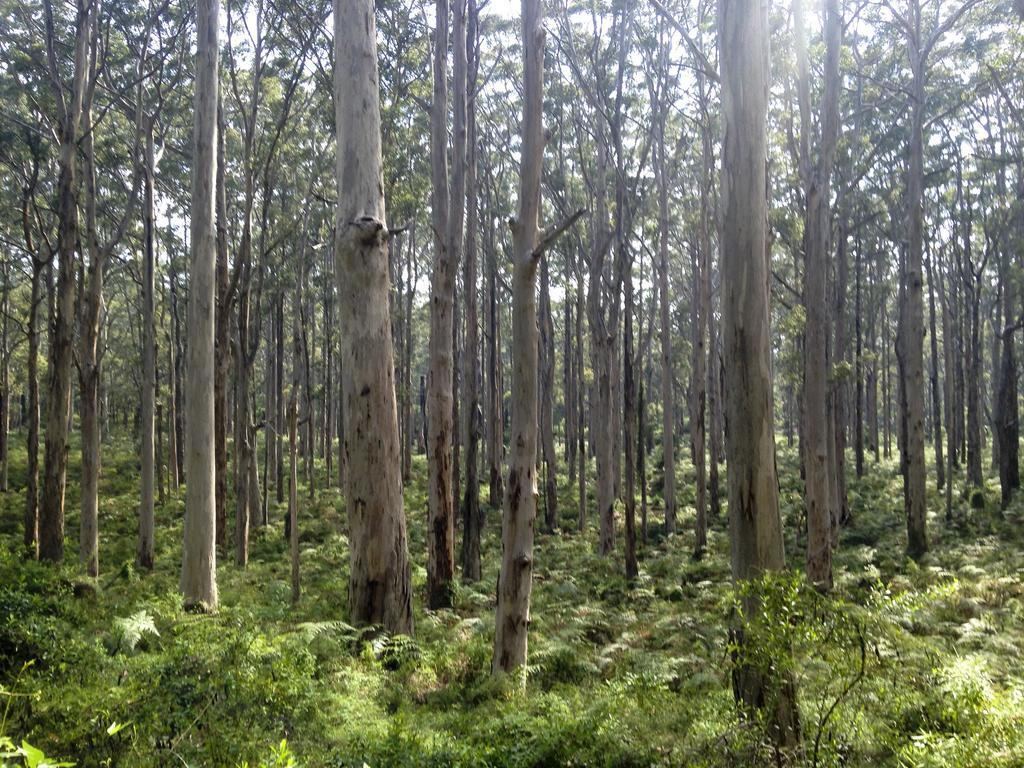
[332, 630]
[129, 631]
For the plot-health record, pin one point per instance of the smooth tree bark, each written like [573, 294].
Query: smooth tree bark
[547, 400]
[380, 588]
[440, 381]
[817, 177]
[668, 410]
[755, 525]
[145, 554]
[472, 522]
[515, 581]
[69, 102]
[199, 560]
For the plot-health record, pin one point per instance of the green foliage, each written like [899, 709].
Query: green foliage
[902, 665]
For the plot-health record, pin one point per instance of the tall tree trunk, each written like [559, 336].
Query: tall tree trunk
[440, 524]
[940, 464]
[31, 538]
[515, 581]
[629, 417]
[912, 326]
[199, 563]
[472, 522]
[754, 521]
[668, 409]
[279, 413]
[144, 555]
[817, 239]
[495, 441]
[547, 400]
[58, 400]
[380, 589]
[222, 339]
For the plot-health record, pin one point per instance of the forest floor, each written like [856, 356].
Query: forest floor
[909, 664]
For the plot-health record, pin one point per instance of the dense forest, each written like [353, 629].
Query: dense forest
[467, 383]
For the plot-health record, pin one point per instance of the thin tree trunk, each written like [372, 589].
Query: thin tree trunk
[472, 522]
[148, 459]
[547, 400]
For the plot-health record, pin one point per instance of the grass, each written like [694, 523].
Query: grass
[908, 664]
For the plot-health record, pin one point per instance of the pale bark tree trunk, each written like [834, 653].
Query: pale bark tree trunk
[817, 238]
[440, 523]
[472, 522]
[515, 581]
[58, 401]
[668, 410]
[629, 423]
[754, 521]
[199, 562]
[380, 589]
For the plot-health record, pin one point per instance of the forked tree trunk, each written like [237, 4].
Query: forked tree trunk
[515, 581]
[754, 521]
[199, 562]
[380, 589]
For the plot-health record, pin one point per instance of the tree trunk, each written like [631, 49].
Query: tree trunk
[940, 464]
[144, 555]
[380, 589]
[817, 238]
[547, 401]
[58, 400]
[440, 523]
[472, 522]
[31, 538]
[515, 581]
[912, 327]
[668, 409]
[199, 563]
[222, 339]
[754, 521]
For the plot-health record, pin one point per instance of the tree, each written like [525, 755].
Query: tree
[199, 562]
[910, 342]
[515, 581]
[380, 590]
[755, 526]
[69, 103]
[819, 497]
[446, 215]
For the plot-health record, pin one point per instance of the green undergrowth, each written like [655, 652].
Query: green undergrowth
[907, 664]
